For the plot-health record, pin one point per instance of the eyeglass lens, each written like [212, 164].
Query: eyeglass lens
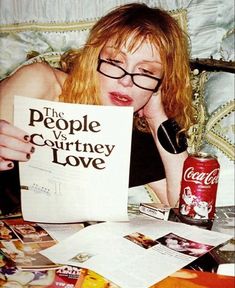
[113, 71]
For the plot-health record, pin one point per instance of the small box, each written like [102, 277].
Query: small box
[156, 210]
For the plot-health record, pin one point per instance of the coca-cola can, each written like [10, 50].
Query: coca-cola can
[199, 188]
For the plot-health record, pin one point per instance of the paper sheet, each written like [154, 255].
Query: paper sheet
[80, 168]
[136, 254]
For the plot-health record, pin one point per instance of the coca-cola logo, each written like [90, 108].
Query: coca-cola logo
[206, 178]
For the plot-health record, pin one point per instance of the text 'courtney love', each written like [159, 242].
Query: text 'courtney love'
[61, 129]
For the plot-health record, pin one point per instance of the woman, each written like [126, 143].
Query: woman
[135, 56]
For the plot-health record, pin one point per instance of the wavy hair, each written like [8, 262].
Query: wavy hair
[140, 23]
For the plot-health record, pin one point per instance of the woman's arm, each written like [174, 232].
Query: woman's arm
[36, 80]
[167, 191]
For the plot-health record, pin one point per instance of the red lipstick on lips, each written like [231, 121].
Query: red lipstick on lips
[120, 99]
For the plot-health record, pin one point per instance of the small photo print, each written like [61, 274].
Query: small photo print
[5, 232]
[26, 255]
[141, 240]
[17, 278]
[5, 263]
[82, 257]
[183, 245]
[28, 232]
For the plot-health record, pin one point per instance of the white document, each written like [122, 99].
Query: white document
[60, 232]
[136, 254]
[80, 168]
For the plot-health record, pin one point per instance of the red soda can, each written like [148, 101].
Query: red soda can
[199, 188]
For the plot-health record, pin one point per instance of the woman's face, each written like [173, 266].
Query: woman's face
[123, 92]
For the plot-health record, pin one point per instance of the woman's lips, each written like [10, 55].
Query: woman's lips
[120, 99]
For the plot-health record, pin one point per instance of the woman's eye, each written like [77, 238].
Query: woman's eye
[145, 71]
[115, 61]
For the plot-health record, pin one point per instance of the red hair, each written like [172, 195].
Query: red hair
[139, 23]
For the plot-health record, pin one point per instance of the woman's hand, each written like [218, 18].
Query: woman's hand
[153, 111]
[14, 145]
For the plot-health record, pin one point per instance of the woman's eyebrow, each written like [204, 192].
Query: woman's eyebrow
[152, 61]
[119, 51]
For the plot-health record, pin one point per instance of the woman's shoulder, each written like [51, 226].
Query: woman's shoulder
[37, 69]
[41, 72]
[39, 80]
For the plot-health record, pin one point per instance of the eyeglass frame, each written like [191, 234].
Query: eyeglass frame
[100, 61]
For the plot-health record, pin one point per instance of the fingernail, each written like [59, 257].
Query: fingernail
[26, 137]
[10, 165]
[32, 150]
[28, 156]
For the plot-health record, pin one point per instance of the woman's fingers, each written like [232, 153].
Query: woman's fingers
[14, 145]
[6, 164]
[10, 154]
[10, 130]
